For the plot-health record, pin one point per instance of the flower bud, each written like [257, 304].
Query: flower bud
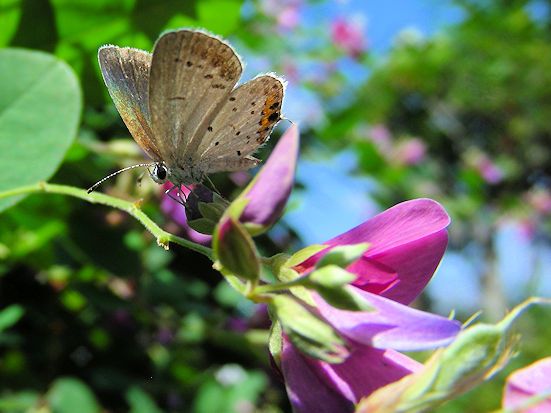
[269, 191]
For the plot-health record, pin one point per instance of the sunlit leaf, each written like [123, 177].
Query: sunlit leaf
[39, 114]
[69, 395]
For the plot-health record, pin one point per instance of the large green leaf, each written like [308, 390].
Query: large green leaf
[40, 108]
[69, 395]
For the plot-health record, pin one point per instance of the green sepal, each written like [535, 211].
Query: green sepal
[331, 276]
[275, 342]
[203, 225]
[287, 275]
[307, 332]
[303, 254]
[235, 250]
[344, 298]
[344, 255]
[236, 208]
[211, 211]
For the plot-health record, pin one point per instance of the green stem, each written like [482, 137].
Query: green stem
[270, 288]
[133, 208]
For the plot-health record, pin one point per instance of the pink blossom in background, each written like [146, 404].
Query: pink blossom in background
[491, 173]
[381, 136]
[286, 12]
[348, 35]
[486, 167]
[526, 383]
[410, 151]
[288, 18]
[406, 244]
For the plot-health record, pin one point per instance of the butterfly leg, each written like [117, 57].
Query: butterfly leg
[168, 192]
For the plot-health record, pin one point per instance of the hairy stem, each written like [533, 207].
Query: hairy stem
[133, 208]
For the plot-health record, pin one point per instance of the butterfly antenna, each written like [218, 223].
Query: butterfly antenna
[140, 165]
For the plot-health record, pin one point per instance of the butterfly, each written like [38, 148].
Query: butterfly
[183, 108]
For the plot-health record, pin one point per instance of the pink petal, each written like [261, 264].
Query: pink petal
[528, 382]
[316, 386]
[306, 390]
[414, 263]
[391, 325]
[397, 226]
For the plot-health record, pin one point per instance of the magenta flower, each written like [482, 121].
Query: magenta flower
[406, 245]
[269, 191]
[526, 384]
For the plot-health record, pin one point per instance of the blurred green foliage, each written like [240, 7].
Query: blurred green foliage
[94, 314]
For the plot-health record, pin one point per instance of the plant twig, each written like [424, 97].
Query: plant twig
[133, 208]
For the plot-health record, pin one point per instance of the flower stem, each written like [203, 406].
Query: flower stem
[133, 208]
[270, 288]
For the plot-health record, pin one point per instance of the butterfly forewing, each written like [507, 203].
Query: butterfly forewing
[244, 123]
[126, 74]
[191, 77]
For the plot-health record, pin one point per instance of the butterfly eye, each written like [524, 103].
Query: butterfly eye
[159, 173]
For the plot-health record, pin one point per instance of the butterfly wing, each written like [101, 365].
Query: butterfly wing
[192, 75]
[126, 75]
[243, 124]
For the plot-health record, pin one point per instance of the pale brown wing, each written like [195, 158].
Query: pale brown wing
[192, 75]
[244, 123]
[126, 75]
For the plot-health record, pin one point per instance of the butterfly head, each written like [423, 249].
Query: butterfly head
[159, 173]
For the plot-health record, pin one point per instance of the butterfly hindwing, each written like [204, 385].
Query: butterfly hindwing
[192, 74]
[126, 75]
[244, 123]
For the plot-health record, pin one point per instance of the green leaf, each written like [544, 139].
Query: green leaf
[141, 402]
[344, 255]
[40, 108]
[18, 402]
[10, 14]
[69, 395]
[220, 16]
[307, 332]
[233, 388]
[10, 315]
